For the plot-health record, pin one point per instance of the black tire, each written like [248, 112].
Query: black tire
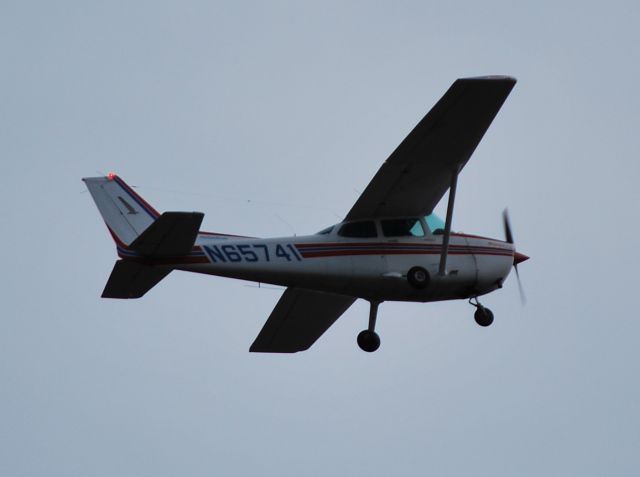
[418, 278]
[368, 341]
[483, 316]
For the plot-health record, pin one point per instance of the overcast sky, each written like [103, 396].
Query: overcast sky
[271, 117]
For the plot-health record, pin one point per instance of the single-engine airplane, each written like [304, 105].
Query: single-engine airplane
[389, 247]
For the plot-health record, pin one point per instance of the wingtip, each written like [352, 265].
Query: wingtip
[496, 78]
[110, 176]
[258, 349]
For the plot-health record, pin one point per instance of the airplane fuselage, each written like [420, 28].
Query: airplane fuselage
[369, 268]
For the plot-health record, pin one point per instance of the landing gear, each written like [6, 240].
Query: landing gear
[483, 316]
[368, 339]
[418, 277]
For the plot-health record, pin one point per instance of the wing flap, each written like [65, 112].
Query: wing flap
[299, 319]
[418, 173]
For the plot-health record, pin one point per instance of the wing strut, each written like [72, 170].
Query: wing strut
[447, 226]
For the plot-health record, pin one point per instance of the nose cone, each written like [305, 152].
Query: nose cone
[519, 258]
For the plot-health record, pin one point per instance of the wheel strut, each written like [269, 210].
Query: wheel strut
[373, 314]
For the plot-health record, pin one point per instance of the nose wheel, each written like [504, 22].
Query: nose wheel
[482, 315]
[368, 339]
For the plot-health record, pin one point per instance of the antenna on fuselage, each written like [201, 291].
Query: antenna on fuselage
[287, 224]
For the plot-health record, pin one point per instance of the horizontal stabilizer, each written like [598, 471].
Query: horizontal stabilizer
[132, 280]
[173, 233]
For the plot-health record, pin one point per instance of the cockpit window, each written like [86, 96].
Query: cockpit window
[326, 231]
[366, 229]
[435, 224]
[402, 228]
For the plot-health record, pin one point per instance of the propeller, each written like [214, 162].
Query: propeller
[517, 257]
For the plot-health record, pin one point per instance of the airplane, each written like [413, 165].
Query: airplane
[389, 247]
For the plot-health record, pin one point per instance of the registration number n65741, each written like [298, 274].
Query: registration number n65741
[251, 253]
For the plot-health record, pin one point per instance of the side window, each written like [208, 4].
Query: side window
[402, 228]
[435, 224]
[365, 229]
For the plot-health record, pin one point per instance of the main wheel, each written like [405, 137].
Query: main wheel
[418, 277]
[483, 316]
[368, 341]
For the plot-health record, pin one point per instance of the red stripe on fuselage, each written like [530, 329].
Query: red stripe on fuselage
[385, 244]
[342, 253]
[341, 249]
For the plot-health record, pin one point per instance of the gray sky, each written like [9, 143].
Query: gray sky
[271, 117]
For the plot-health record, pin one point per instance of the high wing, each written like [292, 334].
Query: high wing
[418, 173]
[299, 319]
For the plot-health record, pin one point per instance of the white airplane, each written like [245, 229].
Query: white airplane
[389, 247]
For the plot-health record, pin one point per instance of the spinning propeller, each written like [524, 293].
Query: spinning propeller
[517, 257]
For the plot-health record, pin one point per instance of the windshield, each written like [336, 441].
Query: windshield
[435, 223]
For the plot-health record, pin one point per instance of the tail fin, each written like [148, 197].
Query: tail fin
[143, 237]
[126, 213]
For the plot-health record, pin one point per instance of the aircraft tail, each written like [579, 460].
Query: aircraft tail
[126, 214]
[132, 280]
[146, 240]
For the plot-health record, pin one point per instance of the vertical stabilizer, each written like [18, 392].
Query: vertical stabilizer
[126, 213]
